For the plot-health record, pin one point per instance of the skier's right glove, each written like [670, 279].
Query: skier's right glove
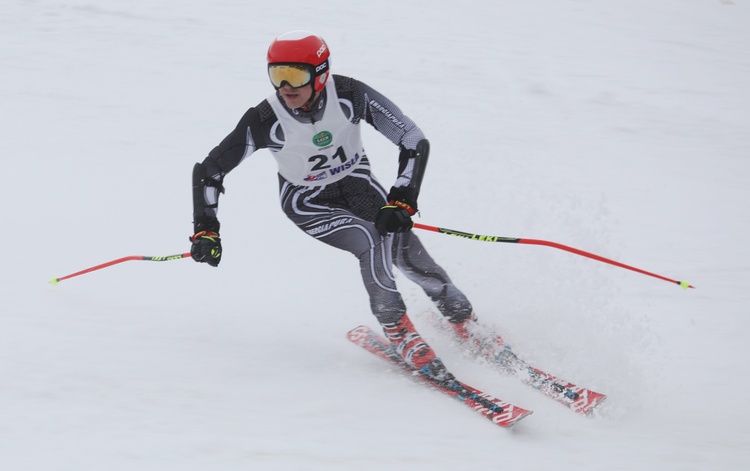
[206, 247]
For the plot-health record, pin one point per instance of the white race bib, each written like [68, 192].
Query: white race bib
[318, 153]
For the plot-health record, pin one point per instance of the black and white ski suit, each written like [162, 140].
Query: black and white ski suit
[327, 189]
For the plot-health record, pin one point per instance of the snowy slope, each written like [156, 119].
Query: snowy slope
[620, 128]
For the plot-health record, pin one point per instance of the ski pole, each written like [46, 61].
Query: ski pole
[167, 258]
[515, 240]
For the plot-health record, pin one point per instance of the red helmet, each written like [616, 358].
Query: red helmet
[300, 48]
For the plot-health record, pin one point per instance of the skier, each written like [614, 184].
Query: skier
[311, 126]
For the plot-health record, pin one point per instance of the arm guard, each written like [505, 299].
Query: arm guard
[412, 164]
[206, 192]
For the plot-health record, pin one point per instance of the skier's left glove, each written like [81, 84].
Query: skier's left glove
[396, 215]
[206, 247]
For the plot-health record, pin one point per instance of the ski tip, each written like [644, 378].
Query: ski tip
[54, 281]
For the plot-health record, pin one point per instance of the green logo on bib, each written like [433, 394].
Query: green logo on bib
[322, 139]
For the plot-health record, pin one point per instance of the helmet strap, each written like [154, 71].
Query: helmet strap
[309, 103]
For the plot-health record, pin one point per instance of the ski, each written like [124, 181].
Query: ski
[577, 398]
[498, 411]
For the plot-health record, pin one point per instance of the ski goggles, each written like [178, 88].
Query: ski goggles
[296, 75]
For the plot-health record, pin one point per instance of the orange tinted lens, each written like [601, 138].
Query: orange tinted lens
[296, 76]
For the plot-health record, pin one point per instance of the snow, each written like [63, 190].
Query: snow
[620, 128]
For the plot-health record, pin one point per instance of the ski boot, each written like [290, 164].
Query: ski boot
[415, 351]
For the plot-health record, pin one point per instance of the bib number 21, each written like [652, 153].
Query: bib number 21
[321, 161]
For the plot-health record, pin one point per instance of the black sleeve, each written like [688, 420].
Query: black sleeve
[380, 112]
[250, 134]
[246, 138]
[389, 120]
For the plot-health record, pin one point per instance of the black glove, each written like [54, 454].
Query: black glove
[206, 248]
[396, 215]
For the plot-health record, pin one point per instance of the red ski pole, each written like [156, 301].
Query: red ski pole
[167, 258]
[515, 240]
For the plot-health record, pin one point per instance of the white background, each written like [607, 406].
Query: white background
[621, 128]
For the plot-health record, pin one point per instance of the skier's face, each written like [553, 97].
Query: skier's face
[296, 97]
